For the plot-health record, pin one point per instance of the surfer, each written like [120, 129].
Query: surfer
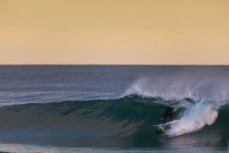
[168, 112]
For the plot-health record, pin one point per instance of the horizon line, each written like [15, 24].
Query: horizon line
[114, 64]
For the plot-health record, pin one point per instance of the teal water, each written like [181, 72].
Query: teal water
[125, 122]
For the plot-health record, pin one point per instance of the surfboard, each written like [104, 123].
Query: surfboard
[165, 126]
[162, 127]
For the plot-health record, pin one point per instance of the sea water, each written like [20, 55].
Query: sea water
[92, 108]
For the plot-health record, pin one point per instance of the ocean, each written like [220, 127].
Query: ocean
[106, 108]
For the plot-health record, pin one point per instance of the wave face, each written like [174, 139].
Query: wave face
[122, 122]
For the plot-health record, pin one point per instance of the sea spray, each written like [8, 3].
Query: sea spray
[195, 118]
[197, 85]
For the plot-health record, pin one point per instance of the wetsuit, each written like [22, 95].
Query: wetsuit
[168, 112]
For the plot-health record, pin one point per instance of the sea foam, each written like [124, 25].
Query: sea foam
[194, 118]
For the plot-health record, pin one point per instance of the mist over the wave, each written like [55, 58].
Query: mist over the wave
[198, 84]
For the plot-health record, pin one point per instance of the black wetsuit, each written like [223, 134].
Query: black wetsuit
[168, 112]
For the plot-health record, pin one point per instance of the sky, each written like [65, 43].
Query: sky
[176, 32]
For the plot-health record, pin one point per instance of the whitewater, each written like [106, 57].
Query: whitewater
[208, 89]
[89, 108]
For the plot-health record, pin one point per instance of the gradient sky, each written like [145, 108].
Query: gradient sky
[114, 32]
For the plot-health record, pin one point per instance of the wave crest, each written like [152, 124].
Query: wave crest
[193, 84]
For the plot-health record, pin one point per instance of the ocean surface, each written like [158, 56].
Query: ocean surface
[92, 108]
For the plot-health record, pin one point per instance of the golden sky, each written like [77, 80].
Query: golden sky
[114, 32]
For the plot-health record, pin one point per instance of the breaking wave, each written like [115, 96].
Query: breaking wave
[122, 122]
